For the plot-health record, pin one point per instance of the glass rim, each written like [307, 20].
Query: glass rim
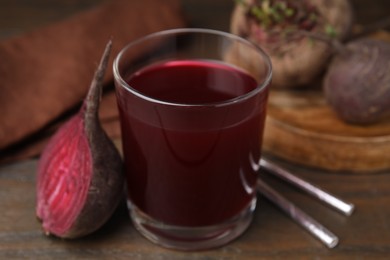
[260, 86]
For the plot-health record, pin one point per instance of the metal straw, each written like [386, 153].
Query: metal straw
[307, 222]
[331, 200]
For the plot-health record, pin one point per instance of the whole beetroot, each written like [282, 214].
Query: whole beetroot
[357, 83]
[276, 26]
[80, 179]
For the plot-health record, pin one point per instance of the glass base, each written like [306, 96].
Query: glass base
[191, 238]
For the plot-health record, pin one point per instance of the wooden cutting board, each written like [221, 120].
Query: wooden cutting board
[302, 128]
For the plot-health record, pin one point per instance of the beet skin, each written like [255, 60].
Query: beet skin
[357, 83]
[80, 178]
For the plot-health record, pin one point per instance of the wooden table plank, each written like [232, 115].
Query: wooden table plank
[272, 234]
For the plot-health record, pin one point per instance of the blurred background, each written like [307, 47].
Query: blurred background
[17, 16]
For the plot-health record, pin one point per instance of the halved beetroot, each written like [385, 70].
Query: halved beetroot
[80, 179]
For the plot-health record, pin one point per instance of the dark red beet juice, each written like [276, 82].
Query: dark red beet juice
[191, 140]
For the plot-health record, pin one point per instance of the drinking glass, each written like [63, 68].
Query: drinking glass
[192, 106]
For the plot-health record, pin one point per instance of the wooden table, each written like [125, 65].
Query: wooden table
[272, 235]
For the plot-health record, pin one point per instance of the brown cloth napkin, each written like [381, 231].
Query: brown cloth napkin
[47, 72]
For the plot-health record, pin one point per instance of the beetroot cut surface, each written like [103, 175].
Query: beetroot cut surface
[80, 178]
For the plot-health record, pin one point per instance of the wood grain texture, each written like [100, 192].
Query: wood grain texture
[302, 128]
[272, 235]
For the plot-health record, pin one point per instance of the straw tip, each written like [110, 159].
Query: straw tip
[333, 243]
[350, 210]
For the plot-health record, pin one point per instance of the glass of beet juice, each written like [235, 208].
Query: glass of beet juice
[192, 105]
